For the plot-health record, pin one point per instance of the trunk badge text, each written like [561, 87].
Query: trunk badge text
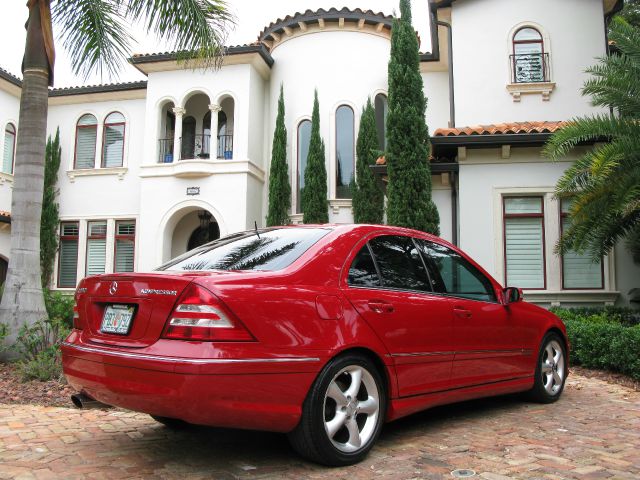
[152, 291]
[114, 288]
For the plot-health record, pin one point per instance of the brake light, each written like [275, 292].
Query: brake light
[76, 318]
[200, 315]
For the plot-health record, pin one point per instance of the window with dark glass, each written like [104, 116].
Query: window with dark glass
[68, 255]
[529, 60]
[363, 271]
[381, 108]
[86, 134]
[399, 263]
[9, 148]
[304, 138]
[454, 275]
[578, 270]
[345, 151]
[113, 140]
[125, 243]
[262, 250]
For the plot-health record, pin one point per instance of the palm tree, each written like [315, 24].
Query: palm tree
[604, 184]
[95, 33]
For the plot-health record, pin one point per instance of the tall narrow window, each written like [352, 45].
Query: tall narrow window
[345, 151]
[188, 137]
[113, 140]
[524, 242]
[9, 148]
[86, 133]
[529, 63]
[125, 246]
[68, 255]
[381, 108]
[304, 138]
[578, 271]
[96, 248]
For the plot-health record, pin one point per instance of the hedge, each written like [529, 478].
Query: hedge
[604, 338]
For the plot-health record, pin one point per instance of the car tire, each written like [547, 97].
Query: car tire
[171, 423]
[343, 413]
[551, 370]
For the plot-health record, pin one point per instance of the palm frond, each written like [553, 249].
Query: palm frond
[94, 34]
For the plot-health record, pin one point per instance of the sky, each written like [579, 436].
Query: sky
[252, 16]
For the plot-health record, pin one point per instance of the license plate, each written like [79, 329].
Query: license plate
[117, 319]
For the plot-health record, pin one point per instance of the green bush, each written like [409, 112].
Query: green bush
[606, 338]
[59, 307]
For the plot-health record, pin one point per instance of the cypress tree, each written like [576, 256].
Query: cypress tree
[368, 199]
[409, 189]
[49, 218]
[279, 187]
[314, 195]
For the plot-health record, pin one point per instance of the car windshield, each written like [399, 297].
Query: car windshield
[253, 250]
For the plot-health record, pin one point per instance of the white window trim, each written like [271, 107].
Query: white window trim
[553, 263]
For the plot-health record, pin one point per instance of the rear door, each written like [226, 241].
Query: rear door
[487, 337]
[389, 286]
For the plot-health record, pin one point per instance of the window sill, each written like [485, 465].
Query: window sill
[557, 298]
[337, 203]
[543, 88]
[93, 172]
[296, 218]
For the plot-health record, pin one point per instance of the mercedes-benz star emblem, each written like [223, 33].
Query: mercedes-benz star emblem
[114, 288]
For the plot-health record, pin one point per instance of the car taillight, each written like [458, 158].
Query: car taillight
[200, 315]
[76, 318]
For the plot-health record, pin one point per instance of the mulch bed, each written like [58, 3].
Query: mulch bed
[56, 394]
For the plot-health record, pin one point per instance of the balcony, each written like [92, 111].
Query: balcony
[530, 73]
[195, 147]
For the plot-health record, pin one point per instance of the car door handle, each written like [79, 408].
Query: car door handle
[380, 306]
[462, 312]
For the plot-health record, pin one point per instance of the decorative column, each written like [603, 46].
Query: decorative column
[215, 109]
[177, 134]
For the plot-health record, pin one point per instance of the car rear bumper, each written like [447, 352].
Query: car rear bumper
[252, 393]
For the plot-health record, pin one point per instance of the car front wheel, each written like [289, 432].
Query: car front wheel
[551, 370]
[343, 413]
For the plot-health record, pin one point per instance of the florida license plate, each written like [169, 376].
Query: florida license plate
[117, 319]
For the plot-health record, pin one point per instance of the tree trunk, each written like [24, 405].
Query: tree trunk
[22, 301]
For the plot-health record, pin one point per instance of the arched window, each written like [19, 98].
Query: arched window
[86, 133]
[345, 151]
[9, 148]
[113, 140]
[529, 62]
[304, 138]
[382, 108]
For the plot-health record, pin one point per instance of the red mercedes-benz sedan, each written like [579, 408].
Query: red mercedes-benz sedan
[324, 332]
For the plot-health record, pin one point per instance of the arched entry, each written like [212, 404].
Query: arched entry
[207, 231]
[195, 227]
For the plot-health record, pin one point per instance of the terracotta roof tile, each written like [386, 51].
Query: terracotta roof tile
[512, 128]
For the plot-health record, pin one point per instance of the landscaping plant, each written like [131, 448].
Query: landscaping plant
[314, 203]
[279, 186]
[49, 219]
[409, 188]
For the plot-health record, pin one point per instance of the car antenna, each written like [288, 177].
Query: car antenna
[255, 223]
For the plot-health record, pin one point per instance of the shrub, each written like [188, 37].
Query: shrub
[606, 338]
[59, 307]
[38, 346]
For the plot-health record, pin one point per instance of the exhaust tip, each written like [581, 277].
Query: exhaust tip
[80, 400]
[77, 400]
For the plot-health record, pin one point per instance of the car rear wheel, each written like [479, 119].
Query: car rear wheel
[551, 370]
[343, 413]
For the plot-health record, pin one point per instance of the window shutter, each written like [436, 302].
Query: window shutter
[124, 256]
[579, 271]
[524, 252]
[96, 256]
[113, 147]
[86, 147]
[68, 263]
[7, 159]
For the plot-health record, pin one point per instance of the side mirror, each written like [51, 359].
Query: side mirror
[512, 295]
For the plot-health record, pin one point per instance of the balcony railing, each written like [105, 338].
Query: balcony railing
[195, 146]
[530, 68]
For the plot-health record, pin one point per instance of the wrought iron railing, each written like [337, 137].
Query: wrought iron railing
[225, 146]
[165, 150]
[195, 146]
[530, 68]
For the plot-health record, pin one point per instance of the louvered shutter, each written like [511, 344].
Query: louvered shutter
[9, 146]
[96, 248]
[578, 271]
[68, 255]
[124, 256]
[524, 242]
[113, 148]
[86, 133]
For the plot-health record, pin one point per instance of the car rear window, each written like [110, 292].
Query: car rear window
[262, 250]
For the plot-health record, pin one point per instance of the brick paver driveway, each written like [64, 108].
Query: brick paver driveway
[593, 432]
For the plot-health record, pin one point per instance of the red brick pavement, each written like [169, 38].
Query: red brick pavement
[593, 432]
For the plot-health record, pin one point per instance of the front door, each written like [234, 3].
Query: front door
[393, 294]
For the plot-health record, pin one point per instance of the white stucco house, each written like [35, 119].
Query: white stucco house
[152, 168]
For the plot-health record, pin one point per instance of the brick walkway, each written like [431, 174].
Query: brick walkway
[592, 433]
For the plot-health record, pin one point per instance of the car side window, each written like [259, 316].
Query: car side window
[363, 271]
[454, 275]
[400, 263]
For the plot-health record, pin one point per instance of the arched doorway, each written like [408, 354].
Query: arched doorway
[196, 227]
[207, 231]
